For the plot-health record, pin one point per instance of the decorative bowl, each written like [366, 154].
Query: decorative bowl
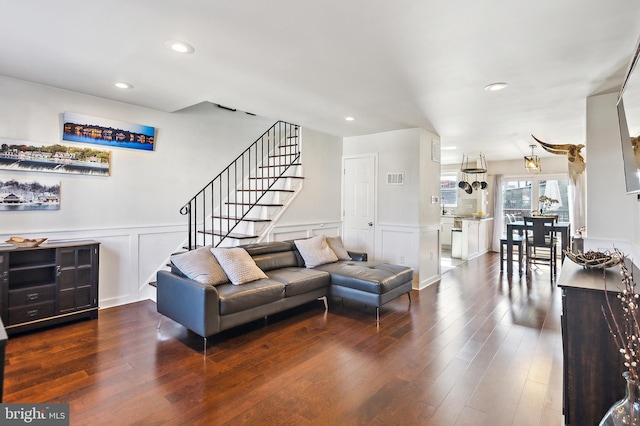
[594, 259]
[25, 242]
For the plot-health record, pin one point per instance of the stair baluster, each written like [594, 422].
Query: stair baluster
[216, 211]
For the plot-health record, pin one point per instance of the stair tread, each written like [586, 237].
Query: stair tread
[284, 155]
[280, 165]
[288, 145]
[265, 190]
[277, 177]
[235, 203]
[234, 235]
[246, 219]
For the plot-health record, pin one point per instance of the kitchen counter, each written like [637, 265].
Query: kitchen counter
[476, 236]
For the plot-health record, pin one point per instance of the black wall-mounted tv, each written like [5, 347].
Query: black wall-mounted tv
[630, 152]
[629, 122]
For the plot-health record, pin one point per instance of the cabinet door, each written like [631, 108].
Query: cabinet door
[4, 286]
[447, 226]
[483, 236]
[473, 238]
[76, 278]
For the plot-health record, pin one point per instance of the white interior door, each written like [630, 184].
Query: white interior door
[359, 204]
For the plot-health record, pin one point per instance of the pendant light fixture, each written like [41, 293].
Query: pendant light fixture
[532, 162]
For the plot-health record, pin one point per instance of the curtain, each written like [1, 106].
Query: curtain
[576, 203]
[498, 217]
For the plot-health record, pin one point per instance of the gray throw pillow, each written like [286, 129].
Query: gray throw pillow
[200, 265]
[315, 251]
[337, 246]
[238, 265]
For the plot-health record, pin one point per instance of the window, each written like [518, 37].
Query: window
[521, 197]
[449, 190]
[516, 199]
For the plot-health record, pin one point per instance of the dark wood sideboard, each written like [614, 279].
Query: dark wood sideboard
[592, 362]
[50, 284]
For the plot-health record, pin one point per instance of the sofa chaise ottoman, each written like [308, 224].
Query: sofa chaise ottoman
[280, 277]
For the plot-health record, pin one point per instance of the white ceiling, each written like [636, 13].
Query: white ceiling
[390, 64]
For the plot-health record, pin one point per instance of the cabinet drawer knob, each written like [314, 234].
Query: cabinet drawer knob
[32, 313]
[32, 296]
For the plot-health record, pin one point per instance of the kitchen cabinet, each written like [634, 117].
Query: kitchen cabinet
[446, 225]
[476, 237]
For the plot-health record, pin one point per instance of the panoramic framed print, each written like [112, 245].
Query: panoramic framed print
[24, 156]
[29, 194]
[102, 131]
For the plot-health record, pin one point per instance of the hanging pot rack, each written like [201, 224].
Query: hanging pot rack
[464, 166]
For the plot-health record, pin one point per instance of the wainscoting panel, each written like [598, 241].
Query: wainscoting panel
[413, 246]
[293, 232]
[129, 258]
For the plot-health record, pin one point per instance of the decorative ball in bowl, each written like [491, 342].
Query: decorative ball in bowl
[26, 242]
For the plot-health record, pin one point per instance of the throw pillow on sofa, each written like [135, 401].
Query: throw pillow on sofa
[200, 265]
[315, 251]
[337, 246]
[238, 265]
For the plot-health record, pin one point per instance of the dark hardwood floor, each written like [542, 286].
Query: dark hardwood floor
[476, 349]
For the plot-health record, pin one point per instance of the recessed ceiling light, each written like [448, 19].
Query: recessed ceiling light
[179, 46]
[494, 87]
[123, 85]
[349, 118]
[448, 148]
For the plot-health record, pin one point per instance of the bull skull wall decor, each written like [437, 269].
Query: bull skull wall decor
[576, 160]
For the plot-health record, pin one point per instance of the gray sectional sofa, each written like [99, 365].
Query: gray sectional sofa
[208, 309]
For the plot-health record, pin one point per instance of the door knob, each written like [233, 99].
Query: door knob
[370, 223]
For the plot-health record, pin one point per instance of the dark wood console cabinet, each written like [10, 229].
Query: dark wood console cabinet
[592, 363]
[50, 284]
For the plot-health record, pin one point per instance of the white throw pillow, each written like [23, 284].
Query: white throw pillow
[315, 251]
[200, 265]
[337, 246]
[238, 265]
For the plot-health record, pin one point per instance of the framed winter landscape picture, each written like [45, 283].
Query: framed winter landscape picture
[102, 131]
[31, 194]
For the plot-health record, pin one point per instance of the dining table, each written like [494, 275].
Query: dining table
[562, 228]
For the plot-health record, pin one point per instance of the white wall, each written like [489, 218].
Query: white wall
[553, 164]
[612, 215]
[134, 213]
[322, 169]
[407, 224]
[398, 152]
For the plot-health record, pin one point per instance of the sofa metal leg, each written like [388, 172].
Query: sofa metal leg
[377, 314]
[409, 294]
[204, 350]
[159, 322]
[324, 299]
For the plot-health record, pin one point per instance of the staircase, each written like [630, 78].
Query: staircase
[241, 204]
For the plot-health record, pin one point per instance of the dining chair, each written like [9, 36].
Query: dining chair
[541, 242]
[518, 244]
